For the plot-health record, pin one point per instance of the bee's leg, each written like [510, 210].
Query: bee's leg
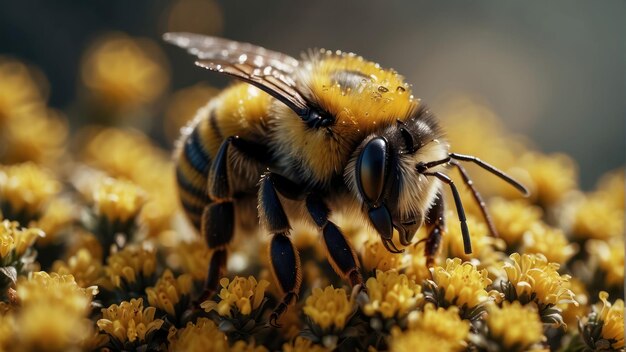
[435, 221]
[340, 254]
[218, 220]
[283, 254]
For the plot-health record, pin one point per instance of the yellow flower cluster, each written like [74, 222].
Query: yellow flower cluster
[28, 129]
[54, 311]
[463, 285]
[58, 216]
[514, 327]
[612, 318]
[549, 241]
[20, 94]
[124, 73]
[238, 296]
[535, 279]
[610, 259]
[130, 265]
[193, 258]
[483, 244]
[130, 155]
[169, 291]
[25, 189]
[600, 215]
[513, 218]
[300, 344]
[443, 323]
[129, 321]
[603, 329]
[391, 294]
[118, 200]
[377, 257]
[197, 337]
[15, 241]
[329, 308]
[86, 269]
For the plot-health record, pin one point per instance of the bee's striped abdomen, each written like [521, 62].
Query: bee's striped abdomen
[191, 174]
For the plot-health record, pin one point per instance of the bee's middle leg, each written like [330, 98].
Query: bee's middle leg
[340, 254]
[284, 257]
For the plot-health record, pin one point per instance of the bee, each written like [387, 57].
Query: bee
[298, 139]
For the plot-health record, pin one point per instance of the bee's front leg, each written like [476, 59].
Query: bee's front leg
[435, 221]
[340, 254]
[283, 254]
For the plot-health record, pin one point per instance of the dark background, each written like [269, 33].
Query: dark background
[553, 70]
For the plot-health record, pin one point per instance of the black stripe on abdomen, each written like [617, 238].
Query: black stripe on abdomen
[195, 153]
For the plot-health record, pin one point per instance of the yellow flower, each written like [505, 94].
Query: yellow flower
[124, 73]
[130, 265]
[417, 269]
[84, 240]
[129, 154]
[25, 189]
[483, 243]
[513, 218]
[391, 294]
[610, 258]
[514, 327]
[572, 313]
[129, 321]
[329, 308]
[193, 258]
[86, 269]
[462, 284]
[169, 291]
[118, 200]
[38, 137]
[59, 215]
[376, 257]
[240, 295]
[300, 344]
[8, 330]
[548, 177]
[243, 346]
[612, 186]
[20, 93]
[199, 337]
[535, 279]
[421, 341]
[14, 242]
[549, 241]
[603, 329]
[612, 318]
[444, 323]
[598, 217]
[43, 296]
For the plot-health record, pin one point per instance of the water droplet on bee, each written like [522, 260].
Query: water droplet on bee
[243, 58]
[376, 96]
[383, 89]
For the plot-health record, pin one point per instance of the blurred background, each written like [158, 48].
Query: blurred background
[552, 71]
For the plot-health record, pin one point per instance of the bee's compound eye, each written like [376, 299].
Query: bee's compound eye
[371, 169]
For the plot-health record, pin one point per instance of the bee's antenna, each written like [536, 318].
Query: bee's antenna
[467, 243]
[508, 179]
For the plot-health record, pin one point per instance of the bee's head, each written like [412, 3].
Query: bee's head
[383, 176]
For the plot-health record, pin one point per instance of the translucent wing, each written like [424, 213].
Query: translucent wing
[270, 71]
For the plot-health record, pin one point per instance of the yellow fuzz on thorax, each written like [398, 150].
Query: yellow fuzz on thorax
[377, 100]
[381, 98]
